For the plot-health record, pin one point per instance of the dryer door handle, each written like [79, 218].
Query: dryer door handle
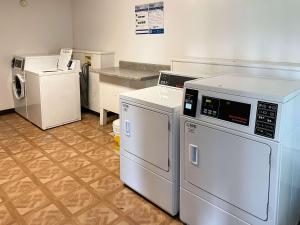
[194, 154]
[127, 128]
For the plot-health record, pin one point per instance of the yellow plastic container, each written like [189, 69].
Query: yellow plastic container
[117, 141]
[117, 138]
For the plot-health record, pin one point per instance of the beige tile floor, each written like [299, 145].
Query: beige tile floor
[66, 176]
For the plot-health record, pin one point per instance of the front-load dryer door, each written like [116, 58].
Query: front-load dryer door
[18, 86]
[229, 167]
[145, 134]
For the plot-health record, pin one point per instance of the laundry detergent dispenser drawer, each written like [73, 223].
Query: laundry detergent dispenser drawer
[228, 167]
[145, 135]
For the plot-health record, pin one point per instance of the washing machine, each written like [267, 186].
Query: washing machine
[149, 155]
[19, 65]
[240, 151]
[53, 96]
[52, 90]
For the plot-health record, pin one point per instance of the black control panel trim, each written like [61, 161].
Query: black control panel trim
[266, 116]
[190, 102]
[173, 80]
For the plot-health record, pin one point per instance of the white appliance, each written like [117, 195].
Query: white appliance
[19, 65]
[240, 152]
[53, 95]
[97, 61]
[149, 154]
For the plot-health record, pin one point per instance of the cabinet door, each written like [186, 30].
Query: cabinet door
[111, 88]
[232, 168]
[145, 134]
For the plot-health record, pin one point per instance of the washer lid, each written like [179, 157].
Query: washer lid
[159, 97]
[276, 90]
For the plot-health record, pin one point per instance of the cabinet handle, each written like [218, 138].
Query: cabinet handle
[194, 154]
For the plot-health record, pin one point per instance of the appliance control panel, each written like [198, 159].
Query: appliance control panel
[231, 111]
[222, 109]
[18, 63]
[266, 119]
[173, 80]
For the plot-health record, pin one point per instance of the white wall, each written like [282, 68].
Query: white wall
[44, 26]
[242, 29]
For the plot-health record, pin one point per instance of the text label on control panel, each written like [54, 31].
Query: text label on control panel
[266, 119]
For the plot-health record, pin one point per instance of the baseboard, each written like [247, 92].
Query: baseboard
[6, 111]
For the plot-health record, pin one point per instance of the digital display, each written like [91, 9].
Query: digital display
[235, 112]
[188, 106]
[210, 106]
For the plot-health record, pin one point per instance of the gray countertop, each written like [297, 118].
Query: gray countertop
[133, 71]
[129, 74]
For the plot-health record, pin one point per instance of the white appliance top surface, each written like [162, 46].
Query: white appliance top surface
[34, 56]
[241, 63]
[276, 90]
[51, 72]
[92, 52]
[164, 98]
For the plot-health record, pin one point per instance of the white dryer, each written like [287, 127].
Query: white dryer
[150, 140]
[240, 152]
[19, 65]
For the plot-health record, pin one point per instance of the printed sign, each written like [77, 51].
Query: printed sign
[149, 18]
[141, 18]
[156, 18]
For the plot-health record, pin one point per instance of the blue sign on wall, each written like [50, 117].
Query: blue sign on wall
[149, 18]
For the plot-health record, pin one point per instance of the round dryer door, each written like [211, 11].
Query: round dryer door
[18, 86]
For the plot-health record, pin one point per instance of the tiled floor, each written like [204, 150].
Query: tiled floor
[66, 176]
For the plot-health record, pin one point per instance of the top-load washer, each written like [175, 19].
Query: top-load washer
[150, 140]
[19, 65]
[240, 151]
[53, 94]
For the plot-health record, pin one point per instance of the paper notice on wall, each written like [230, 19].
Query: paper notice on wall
[141, 18]
[149, 18]
[156, 18]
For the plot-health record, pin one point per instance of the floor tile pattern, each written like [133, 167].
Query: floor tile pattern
[68, 175]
